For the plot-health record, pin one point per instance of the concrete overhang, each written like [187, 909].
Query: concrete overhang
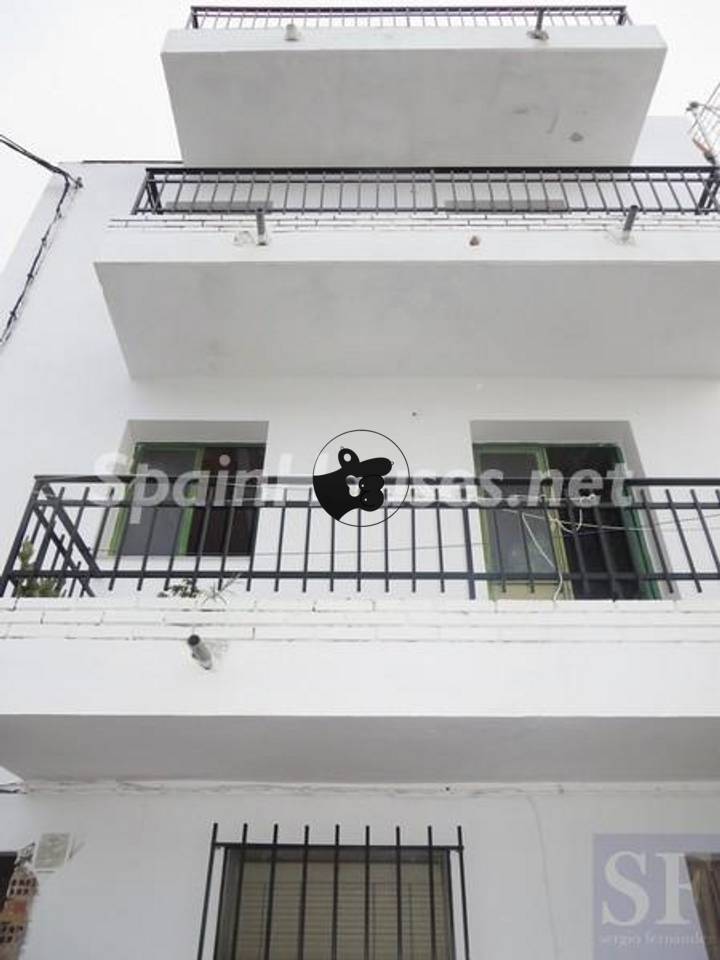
[362, 750]
[393, 96]
[338, 302]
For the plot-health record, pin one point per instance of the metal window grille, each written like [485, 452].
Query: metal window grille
[439, 192]
[254, 18]
[336, 900]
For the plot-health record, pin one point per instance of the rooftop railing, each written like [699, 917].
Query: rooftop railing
[442, 193]
[632, 539]
[253, 18]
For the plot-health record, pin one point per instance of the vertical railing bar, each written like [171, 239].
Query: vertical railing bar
[386, 549]
[498, 546]
[577, 540]
[413, 543]
[101, 528]
[123, 536]
[431, 890]
[366, 912]
[683, 540]
[306, 553]
[271, 894]
[526, 549]
[398, 893]
[281, 535]
[600, 190]
[148, 544]
[238, 902]
[438, 528]
[258, 504]
[228, 535]
[303, 895]
[651, 184]
[332, 554]
[335, 894]
[173, 552]
[687, 186]
[606, 552]
[656, 541]
[469, 564]
[208, 884]
[221, 899]
[203, 534]
[463, 893]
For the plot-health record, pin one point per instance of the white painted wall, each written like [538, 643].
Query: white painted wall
[70, 398]
[135, 884]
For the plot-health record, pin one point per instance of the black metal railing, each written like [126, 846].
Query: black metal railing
[254, 18]
[362, 897]
[636, 539]
[439, 192]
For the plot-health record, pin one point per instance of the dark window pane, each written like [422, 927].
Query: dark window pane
[168, 519]
[228, 520]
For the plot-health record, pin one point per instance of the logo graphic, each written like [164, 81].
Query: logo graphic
[653, 896]
[358, 485]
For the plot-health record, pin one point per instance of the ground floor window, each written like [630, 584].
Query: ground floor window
[334, 901]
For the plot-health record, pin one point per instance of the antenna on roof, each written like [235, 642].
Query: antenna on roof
[705, 127]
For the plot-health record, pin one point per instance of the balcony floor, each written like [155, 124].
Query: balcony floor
[338, 302]
[247, 96]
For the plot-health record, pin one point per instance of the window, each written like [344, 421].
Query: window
[579, 547]
[280, 901]
[224, 523]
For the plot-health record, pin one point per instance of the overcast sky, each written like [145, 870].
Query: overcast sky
[81, 79]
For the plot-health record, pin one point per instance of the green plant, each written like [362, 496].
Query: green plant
[30, 585]
[186, 590]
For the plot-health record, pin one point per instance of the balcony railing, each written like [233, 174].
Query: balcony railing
[637, 539]
[440, 193]
[253, 18]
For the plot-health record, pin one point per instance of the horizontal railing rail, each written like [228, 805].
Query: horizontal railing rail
[253, 18]
[632, 538]
[439, 192]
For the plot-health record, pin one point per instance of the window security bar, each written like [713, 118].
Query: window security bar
[253, 18]
[439, 192]
[343, 901]
[85, 535]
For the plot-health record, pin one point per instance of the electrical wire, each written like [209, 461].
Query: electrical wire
[70, 183]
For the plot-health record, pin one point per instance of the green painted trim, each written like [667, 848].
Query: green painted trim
[517, 588]
[186, 522]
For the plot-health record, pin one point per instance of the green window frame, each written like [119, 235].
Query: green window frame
[518, 588]
[199, 451]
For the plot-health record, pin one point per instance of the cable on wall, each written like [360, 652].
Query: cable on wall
[70, 183]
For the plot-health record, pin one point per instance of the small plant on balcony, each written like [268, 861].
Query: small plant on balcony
[185, 590]
[30, 585]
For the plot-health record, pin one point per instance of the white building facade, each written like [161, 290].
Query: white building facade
[459, 236]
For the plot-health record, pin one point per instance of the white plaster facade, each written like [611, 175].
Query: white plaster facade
[350, 709]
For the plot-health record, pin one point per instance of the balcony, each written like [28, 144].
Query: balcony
[528, 85]
[635, 539]
[369, 653]
[456, 272]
